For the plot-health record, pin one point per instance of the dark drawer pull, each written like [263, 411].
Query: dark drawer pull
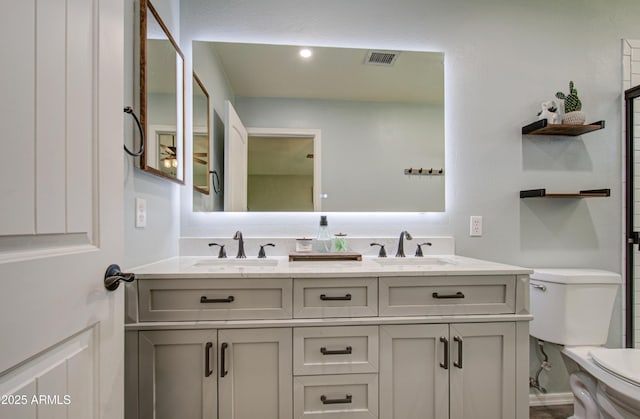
[345, 351]
[229, 299]
[347, 297]
[207, 359]
[348, 398]
[223, 359]
[445, 364]
[456, 295]
[459, 363]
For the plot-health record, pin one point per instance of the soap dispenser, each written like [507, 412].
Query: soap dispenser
[324, 236]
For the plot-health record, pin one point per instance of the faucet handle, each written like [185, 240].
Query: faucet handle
[222, 253]
[382, 253]
[419, 249]
[261, 253]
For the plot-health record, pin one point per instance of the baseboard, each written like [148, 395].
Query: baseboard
[550, 399]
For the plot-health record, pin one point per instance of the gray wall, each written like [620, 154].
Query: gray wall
[502, 58]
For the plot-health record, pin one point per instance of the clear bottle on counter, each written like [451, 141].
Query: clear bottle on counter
[323, 241]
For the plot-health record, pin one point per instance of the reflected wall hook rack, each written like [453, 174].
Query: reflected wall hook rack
[424, 172]
[138, 153]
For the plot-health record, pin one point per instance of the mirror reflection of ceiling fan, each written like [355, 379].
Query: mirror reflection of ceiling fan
[169, 158]
[197, 158]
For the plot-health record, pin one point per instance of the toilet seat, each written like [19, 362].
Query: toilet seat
[582, 355]
[622, 363]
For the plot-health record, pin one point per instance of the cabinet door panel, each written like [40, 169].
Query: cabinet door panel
[413, 385]
[485, 385]
[258, 374]
[173, 381]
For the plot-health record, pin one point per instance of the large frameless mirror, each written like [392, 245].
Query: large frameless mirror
[341, 129]
[161, 97]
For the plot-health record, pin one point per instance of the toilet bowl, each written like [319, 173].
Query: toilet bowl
[605, 382]
[572, 307]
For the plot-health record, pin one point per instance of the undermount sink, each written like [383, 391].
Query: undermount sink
[233, 262]
[411, 261]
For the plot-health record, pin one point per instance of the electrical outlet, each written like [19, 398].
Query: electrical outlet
[141, 213]
[475, 226]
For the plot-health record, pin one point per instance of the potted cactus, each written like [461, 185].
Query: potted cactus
[572, 106]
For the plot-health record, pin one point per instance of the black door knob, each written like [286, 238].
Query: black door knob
[114, 275]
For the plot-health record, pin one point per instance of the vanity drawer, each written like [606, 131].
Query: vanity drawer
[335, 350]
[335, 297]
[449, 295]
[214, 299]
[348, 396]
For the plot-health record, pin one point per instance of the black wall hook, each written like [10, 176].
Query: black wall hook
[128, 110]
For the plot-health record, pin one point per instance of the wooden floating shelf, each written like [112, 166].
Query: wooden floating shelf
[317, 256]
[542, 127]
[542, 193]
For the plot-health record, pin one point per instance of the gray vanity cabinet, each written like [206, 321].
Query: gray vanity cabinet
[196, 374]
[173, 379]
[400, 346]
[255, 377]
[456, 371]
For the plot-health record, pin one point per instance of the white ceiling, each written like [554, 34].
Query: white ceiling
[260, 70]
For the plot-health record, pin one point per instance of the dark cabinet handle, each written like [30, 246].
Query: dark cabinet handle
[348, 399]
[445, 365]
[456, 295]
[223, 359]
[345, 351]
[207, 359]
[229, 299]
[347, 297]
[459, 363]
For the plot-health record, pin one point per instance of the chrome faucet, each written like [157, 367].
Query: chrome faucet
[400, 252]
[238, 236]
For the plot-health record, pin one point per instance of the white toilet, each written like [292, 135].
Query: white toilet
[572, 307]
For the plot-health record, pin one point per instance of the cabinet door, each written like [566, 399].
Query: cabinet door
[483, 375]
[413, 383]
[176, 374]
[255, 374]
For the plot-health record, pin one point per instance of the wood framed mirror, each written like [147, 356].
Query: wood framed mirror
[161, 97]
[201, 137]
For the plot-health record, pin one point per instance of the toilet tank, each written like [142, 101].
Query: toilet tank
[572, 306]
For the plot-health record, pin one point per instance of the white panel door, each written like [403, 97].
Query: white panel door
[61, 182]
[236, 154]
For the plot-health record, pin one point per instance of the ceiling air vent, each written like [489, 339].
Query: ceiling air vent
[381, 57]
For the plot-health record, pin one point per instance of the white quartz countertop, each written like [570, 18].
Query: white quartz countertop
[279, 267]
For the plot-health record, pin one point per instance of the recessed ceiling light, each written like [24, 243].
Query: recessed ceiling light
[305, 53]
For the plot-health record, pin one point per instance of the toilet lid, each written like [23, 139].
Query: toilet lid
[624, 363]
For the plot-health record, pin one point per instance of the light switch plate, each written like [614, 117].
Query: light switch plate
[141, 213]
